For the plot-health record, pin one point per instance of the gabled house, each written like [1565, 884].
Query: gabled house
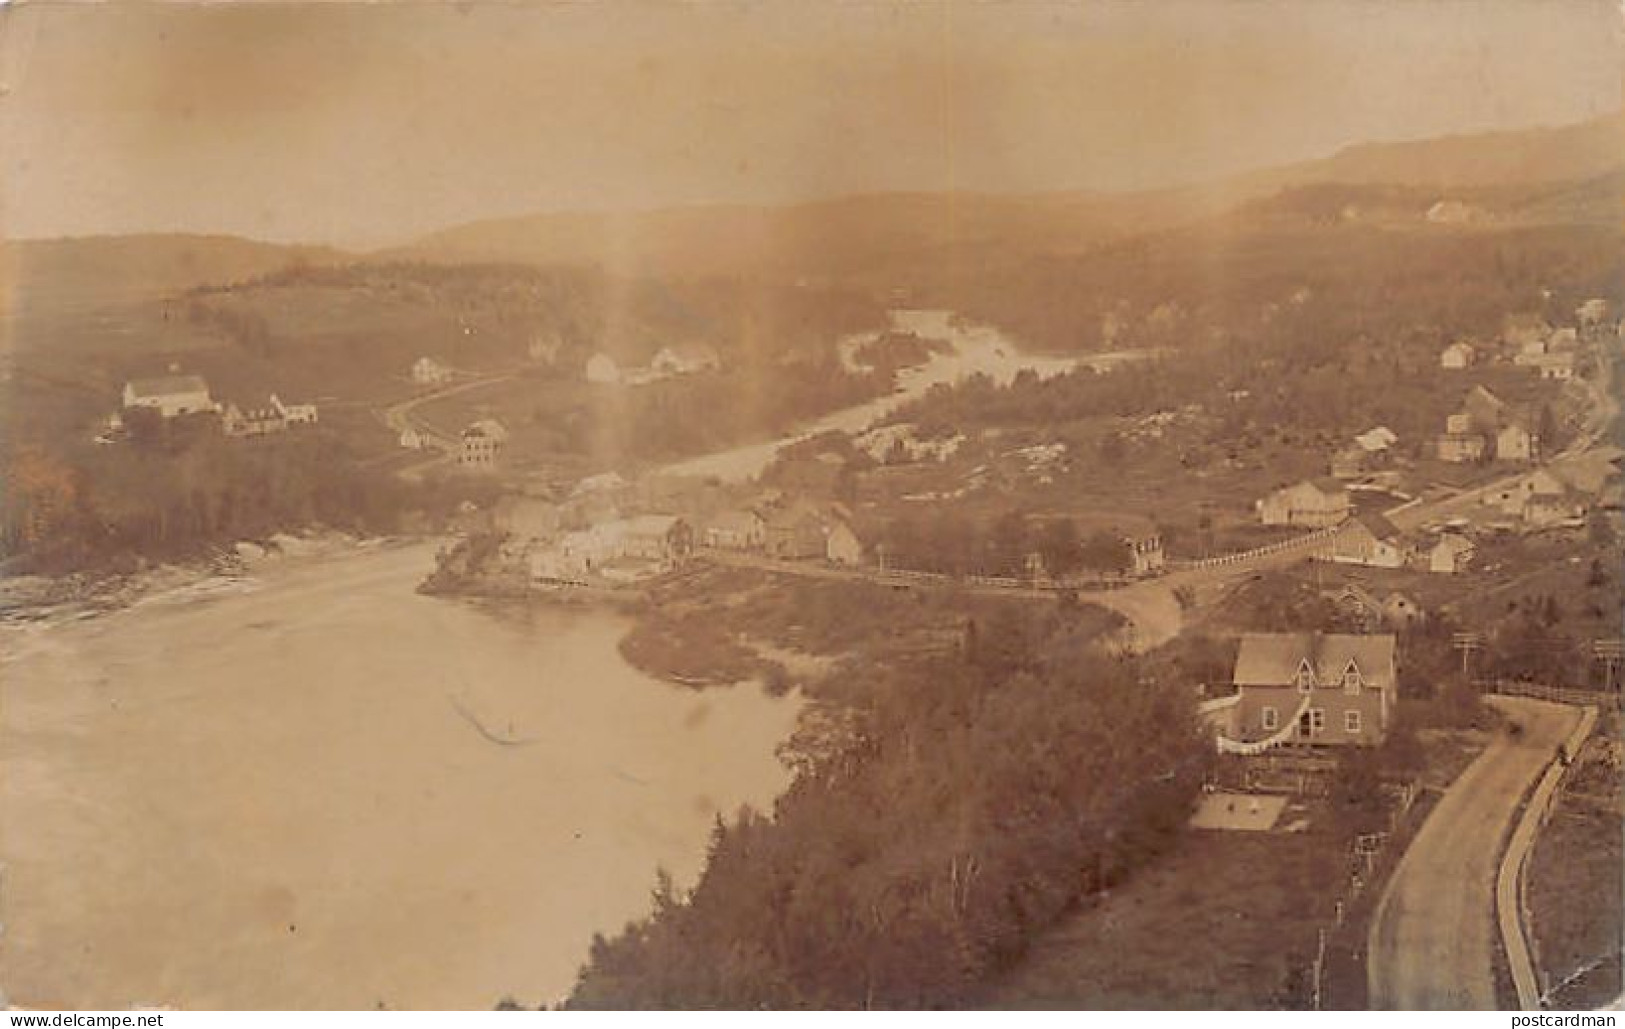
[1451, 554]
[1487, 424]
[1369, 539]
[1457, 355]
[665, 539]
[481, 444]
[170, 395]
[260, 416]
[1321, 689]
[738, 529]
[796, 532]
[1516, 441]
[1369, 451]
[842, 545]
[295, 414]
[1556, 367]
[1314, 504]
[1356, 604]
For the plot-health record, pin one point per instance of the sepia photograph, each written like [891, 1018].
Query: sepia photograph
[758, 505]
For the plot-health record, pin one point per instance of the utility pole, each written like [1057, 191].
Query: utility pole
[1467, 643]
[1610, 653]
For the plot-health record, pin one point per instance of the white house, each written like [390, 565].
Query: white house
[1557, 367]
[685, 359]
[295, 414]
[426, 371]
[170, 395]
[1457, 355]
[1369, 539]
[1451, 554]
[1315, 504]
[602, 369]
[841, 545]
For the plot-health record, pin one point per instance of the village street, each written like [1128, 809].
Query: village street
[1432, 943]
[399, 418]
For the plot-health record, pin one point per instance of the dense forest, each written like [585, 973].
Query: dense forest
[937, 821]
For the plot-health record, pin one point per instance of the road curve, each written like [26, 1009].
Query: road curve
[1432, 942]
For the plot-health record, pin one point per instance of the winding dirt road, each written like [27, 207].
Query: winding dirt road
[1432, 943]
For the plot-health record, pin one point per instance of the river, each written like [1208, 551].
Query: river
[282, 794]
[313, 788]
[972, 350]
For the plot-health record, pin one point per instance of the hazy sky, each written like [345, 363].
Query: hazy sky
[363, 124]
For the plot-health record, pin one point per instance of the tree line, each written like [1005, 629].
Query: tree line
[931, 830]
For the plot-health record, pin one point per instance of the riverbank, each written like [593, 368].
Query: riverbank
[45, 599]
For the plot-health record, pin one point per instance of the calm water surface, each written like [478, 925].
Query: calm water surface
[316, 788]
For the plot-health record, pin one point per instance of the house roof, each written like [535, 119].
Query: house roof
[1380, 438]
[489, 428]
[168, 386]
[1378, 524]
[1358, 594]
[1454, 544]
[1273, 659]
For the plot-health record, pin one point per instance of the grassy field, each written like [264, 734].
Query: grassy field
[1575, 881]
[1227, 921]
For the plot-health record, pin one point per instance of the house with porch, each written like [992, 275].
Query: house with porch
[1318, 689]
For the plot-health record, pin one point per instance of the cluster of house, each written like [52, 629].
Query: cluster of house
[1315, 689]
[1489, 427]
[1563, 492]
[174, 396]
[679, 359]
[1371, 540]
[603, 529]
[1528, 341]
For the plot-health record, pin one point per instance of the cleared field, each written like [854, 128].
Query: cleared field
[1226, 921]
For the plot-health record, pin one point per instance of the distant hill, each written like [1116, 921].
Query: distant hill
[93, 270]
[1518, 157]
[890, 236]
